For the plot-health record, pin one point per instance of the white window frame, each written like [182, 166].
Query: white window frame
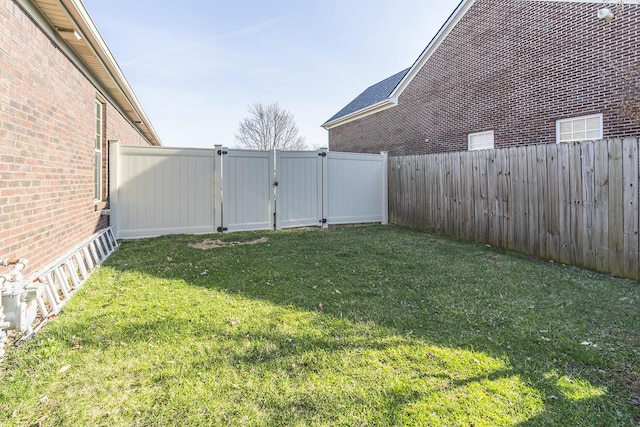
[97, 145]
[483, 134]
[575, 120]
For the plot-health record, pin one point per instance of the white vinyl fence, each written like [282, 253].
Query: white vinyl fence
[351, 197]
[159, 190]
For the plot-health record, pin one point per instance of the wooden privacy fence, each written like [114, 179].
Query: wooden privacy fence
[159, 190]
[574, 203]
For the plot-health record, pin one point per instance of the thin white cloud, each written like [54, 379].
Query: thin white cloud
[259, 27]
[264, 70]
[196, 68]
[181, 59]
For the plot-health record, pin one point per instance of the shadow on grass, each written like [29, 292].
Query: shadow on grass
[445, 330]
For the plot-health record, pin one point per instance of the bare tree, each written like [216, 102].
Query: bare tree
[269, 127]
[630, 104]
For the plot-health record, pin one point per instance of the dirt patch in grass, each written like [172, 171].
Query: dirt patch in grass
[217, 243]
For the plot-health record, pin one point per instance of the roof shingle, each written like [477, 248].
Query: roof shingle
[371, 96]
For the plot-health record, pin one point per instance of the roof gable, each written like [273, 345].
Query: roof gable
[358, 108]
[435, 42]
[363, 105]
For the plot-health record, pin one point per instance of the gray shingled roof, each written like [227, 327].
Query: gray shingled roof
[372, 95]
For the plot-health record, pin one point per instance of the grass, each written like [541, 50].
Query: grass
[351, 326]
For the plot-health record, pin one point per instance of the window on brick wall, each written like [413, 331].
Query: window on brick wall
[97, 166]
[481, 140]
[585, 128]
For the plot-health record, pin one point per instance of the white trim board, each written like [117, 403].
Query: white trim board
[447, 27]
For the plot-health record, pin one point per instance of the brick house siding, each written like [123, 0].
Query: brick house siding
[47, 128]
[514, 67]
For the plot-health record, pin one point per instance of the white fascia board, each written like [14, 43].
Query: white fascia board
[453, 20]
[102, 52]
[35, 13]
[392, 100]
[442, 34]
[371, 109]
[52, 33]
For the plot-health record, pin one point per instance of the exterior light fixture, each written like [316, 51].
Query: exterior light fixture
[66, 33]
[605, 13]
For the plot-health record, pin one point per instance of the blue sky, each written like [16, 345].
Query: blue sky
[195, 65]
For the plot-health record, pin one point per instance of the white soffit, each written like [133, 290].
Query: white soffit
[71, 21]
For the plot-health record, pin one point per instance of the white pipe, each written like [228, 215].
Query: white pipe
[15, 272]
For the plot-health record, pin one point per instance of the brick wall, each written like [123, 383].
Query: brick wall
[512, 66]
[46, 145]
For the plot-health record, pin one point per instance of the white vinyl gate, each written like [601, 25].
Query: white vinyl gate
[247, 190]
[158, 190]
[299, 188]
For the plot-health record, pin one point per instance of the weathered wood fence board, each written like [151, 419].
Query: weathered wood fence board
[573, 203]
[564, 201]
[630, 200]
[615, 211]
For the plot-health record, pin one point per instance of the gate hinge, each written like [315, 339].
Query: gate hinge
[221, 229]
[220, 152]
[323, 154]
[323, 220]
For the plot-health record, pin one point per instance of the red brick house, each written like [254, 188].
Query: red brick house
[503, 73]
[62, 98]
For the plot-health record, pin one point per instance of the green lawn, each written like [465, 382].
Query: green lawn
[351, 326]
